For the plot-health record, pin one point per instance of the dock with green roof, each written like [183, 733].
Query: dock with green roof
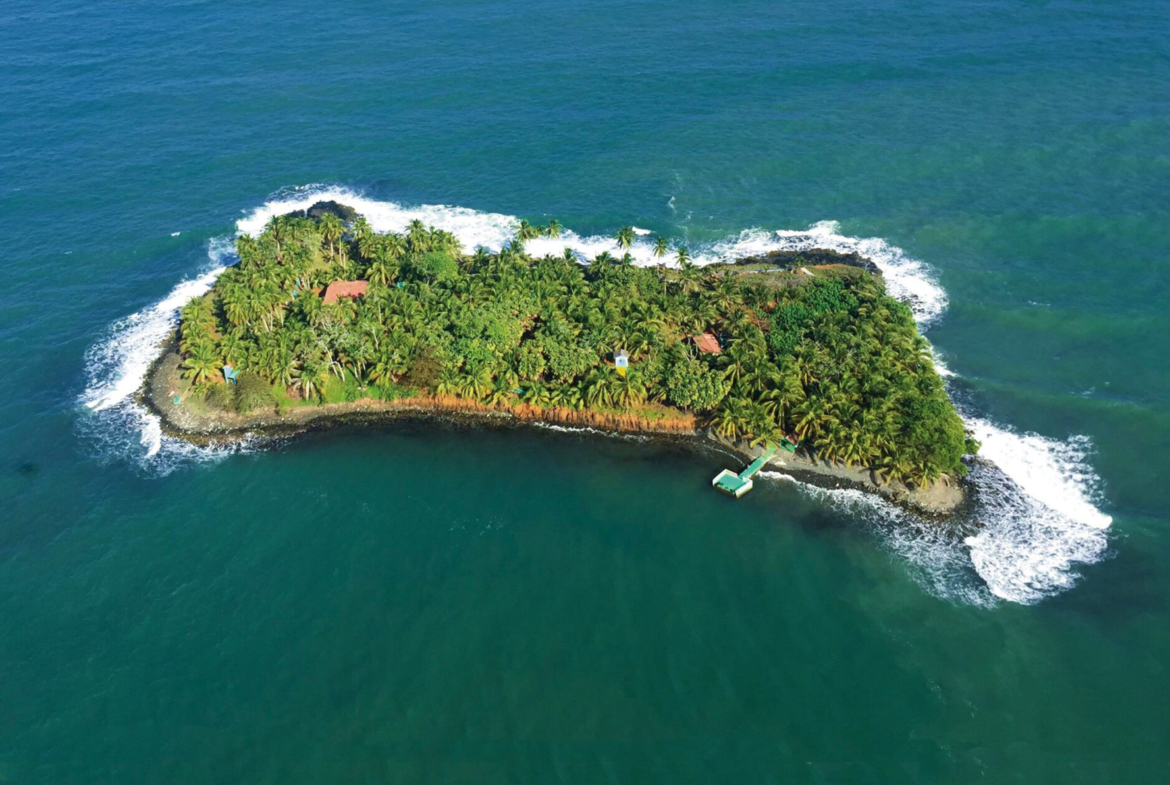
[738, 484]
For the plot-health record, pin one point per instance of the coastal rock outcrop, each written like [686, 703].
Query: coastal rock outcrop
[343, 211]
[788, 260]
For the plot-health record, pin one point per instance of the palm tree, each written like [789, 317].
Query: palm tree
[280, 231]
[625, 237]
[660, 247]
[234, 349]
[553, 229]
[730, 420]
[364, 236]
[629, 391]
[683, 255]
[690, 276]
[309, 377]
[599, 389]
[383, 268]
[538, 395]
[331, 231]
[202, 362]
[526, 231]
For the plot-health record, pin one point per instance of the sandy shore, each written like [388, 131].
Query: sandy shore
[179, 420]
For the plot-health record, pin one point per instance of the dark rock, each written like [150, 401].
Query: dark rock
[343, 211]
[790, 260]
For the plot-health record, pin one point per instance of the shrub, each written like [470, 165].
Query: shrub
[390, 391]
[352, 389]
[219, 397]
[435, 265]
[253, 394]
[425, 369]
[692, 385]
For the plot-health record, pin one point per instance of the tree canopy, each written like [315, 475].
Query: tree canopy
[831, 360]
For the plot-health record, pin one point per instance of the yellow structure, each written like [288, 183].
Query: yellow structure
[621, 361]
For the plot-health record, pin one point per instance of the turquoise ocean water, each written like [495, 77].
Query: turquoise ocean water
[436, 604]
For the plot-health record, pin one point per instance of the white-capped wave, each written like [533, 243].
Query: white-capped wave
[906, 278]
[1035, 498]
[1057, 474]
[1033, 506]
[933, 556]
[116, 368]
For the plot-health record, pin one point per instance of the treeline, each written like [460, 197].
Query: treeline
[834, 361]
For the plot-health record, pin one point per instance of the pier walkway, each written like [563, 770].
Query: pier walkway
[738, 484]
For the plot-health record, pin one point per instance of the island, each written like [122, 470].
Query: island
[325, 318]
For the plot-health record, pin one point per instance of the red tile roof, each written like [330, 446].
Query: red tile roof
[708, 343]
[339, 289]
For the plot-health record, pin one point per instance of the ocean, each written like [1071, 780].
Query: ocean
[438, 603]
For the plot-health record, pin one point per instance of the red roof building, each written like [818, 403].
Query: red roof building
[707, 343]
[339, 289]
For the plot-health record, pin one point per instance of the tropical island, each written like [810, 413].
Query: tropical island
[324, 317]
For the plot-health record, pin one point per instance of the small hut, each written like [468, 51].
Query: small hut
[707, 343]
[621, 361]
[338, 289]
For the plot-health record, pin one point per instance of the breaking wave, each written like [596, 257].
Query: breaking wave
[116, 368]
[1035, 500]
[907, 279]
[933, 556]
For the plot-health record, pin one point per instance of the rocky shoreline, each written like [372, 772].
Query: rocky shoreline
[205, 428]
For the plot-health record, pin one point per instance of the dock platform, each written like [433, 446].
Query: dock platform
[738, 484]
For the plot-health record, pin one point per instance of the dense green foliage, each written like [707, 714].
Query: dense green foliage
[830, 360]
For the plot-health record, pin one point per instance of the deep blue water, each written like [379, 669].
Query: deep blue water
[413, 604]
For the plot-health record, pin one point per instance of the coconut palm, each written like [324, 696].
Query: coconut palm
[553, 229]
[202, 362]
[331, 231]
[625, 237]
[660, 247]
[689, 276]
[310, 376]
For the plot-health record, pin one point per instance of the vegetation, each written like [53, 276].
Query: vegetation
[830, 360]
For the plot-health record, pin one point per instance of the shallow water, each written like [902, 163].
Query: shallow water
[418, 604]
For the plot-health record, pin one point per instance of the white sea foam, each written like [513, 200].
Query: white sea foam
[906, 278]
[584, 429]
[936, 559]
[1037, 502]
[117, 365]
[1035, 498]
[1033, 503]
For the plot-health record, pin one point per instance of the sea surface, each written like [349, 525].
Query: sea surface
[433, 603]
